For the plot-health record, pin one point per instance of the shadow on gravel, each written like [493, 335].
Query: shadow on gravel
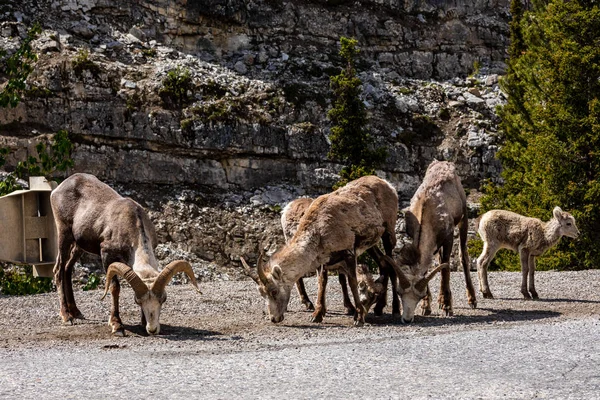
[549, 300]
[172, 332]
[568, 301]
[318, 326]
[496, 315]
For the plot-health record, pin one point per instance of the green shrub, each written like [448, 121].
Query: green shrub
[551, 124]
[351, 142]
[20, 281]
[92, 283]
[82, 62]
[175, 87]
[18, 68]
[149, 52]
[56, 157]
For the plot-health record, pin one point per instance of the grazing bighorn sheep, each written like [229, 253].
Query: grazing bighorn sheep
[438, 205]
[369, 292]
[337, 226]
[413, 285]
[530, 237]
[290, 219]
[92, 217]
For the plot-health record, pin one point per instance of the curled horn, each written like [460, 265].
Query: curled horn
[404, 282]
[251, 272]
[425, 280]
[125, 271]
[261, 272]
[167, 274]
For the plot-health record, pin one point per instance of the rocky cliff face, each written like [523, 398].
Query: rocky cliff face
[251, 122]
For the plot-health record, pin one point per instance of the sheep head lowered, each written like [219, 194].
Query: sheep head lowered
[271, 287]
[91, 217]
[412, 284]
[149, 296]
[338, 226]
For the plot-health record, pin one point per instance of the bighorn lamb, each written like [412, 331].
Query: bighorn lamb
[92, 217]
[337, 226]
[438, 205]
[530, 237]
[369, 291]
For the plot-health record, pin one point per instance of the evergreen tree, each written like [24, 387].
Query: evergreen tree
[551, 125]
[351, 142]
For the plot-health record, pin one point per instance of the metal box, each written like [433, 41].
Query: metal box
[27, 228]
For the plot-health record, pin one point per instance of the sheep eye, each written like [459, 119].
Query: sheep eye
[273, 293]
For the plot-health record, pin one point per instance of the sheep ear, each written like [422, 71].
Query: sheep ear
[557, 212]
[276, 272]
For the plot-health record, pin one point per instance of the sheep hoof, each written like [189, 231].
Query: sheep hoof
[309, 306]
[316, 317]
[526, 296]
[487, 295]
[358, 323]
[119, 332]
[473, 305]
[447, 310]
[426, 311]
[378, 311]
[396, 314]
[535, 296]
[350, 310]
[77, 315]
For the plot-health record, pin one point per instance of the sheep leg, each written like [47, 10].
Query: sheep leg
[389, 242]
[445, 296]
[361, 312]
[383, 268]
[534, 294]
[115, 320]
[483, 261]
[426, 303]
[524, 255]
[350, 310]
[303, 295]
[68, 283]
[464, 258]
[319, 313]
[382, 300]
[66, 244]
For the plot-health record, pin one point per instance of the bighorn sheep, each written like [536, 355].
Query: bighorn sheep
[290, 219]
[337, 226]
[438, 205]
[92, 217]
[369, 291]
[412, 282]
[530, 237]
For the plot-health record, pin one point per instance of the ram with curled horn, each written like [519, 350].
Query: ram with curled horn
[412, 280]
[437, 207]
[91, 217]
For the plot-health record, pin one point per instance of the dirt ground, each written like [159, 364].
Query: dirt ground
[229, 316]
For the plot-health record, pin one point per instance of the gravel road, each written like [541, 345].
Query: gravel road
[219, 345]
